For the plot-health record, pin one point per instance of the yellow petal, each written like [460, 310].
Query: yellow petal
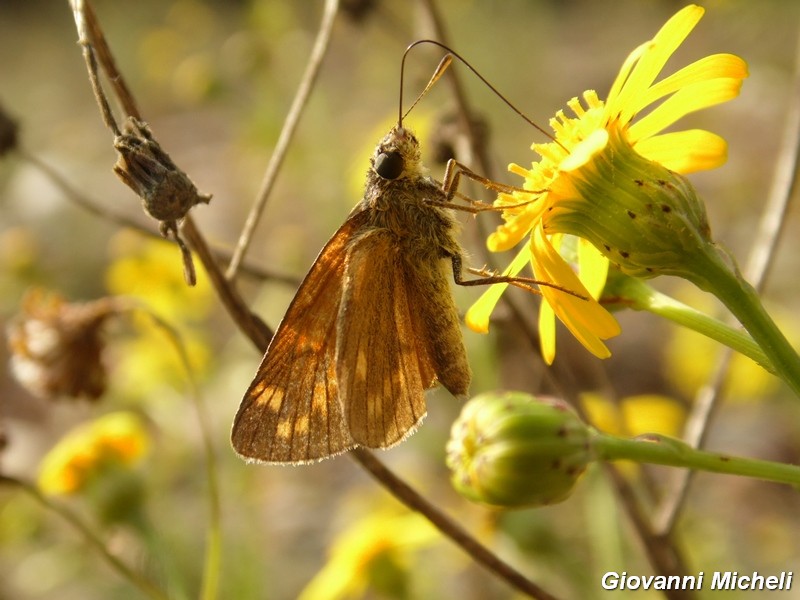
[685, 151]
[592, 267]
[510, 233]
[661, 48]
[586, 319]
[477, 317]
[613, 101]
[585, 150]
[547, 332]
[689, 99]
[716, 66]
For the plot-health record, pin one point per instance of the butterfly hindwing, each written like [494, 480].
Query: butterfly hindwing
[383, 366]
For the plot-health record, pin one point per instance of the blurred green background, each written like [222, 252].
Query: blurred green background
[215, 79]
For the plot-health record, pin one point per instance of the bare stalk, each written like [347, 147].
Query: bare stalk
[287, 133]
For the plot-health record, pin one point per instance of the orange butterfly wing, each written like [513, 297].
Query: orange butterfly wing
[383, 365]
[291, 412]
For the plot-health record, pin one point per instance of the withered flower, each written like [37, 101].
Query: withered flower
[167, 193]
[56, 346]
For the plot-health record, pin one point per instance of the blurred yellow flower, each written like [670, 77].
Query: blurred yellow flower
[635, 415]
[148, 271]
[691, 357]
[632, 416]
[116, 440]
[574, 172]
[372, 552]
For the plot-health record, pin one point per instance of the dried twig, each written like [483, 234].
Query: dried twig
[415, 501]
[167, 193]
[287, 133]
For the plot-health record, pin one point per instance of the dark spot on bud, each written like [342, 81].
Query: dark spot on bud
[631, 214]
[624, 254]
[638, 182]
[666, 208]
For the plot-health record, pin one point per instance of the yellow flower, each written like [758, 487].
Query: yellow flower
[112, 441]
[146, 270]
[635, 415]
[374, 552]
[579, 173]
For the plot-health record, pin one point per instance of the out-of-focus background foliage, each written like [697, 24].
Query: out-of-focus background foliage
[214, 79]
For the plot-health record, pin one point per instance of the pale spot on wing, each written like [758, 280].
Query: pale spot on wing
[285, 429]
[270, 395]
[301, 425]
[361, 365]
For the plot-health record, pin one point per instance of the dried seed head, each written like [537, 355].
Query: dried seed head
[167, 193]
[56, 347]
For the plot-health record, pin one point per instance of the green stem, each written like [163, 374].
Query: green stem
[634, 293]
[213, 553]
[714, 273]
[662, 450]
[145, 586]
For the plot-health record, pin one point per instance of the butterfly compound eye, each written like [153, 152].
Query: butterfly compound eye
[389, 165]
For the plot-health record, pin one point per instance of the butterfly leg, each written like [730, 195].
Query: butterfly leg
[489, 278]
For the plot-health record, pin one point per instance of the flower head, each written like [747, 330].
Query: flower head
[607, 174]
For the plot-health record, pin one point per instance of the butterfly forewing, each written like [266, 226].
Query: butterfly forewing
[292, 412]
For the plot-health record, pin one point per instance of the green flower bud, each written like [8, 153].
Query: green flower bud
[514, 450]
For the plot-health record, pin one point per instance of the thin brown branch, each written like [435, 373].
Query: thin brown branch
[661, 551]
[415, 501]
[287, 134]
[249, 323]
[90, 31]
[760, 259]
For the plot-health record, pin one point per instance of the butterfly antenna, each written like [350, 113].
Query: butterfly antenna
[446, 61]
